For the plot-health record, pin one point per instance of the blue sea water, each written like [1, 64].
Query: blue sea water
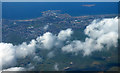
[26, 10]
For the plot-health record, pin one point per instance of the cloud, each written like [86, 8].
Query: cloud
[46, 27]
[25, 49]
[64, 34]
[7, 55]
[37, 58]
[15, 69]
[50, 54]
[100, 33]
[98, 28]
[56, 67]
[48, 40]
[9, 52]
[119, 27]
[74, 46]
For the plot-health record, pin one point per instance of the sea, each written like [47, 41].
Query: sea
[28, 10]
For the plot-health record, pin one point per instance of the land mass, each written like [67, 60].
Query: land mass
[18, 31]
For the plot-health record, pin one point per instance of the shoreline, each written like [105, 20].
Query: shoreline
[32, 19]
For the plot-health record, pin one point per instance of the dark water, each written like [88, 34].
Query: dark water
[26, 10]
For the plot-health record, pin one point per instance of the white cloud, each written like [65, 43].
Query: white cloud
[73, 47]
[97, 28]
[15, 69]
[48, 40]
[119, 28]
[46, 27]
[50, 54]
[7, 55]
[9, 52]
[25, 49]
[37, 58]
[56, 67]
[104, 32]
[64, 34]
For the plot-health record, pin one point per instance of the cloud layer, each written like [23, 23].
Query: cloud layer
[100, 34]
[48, 40]
[7, 55]
[9, 52]
[15, 69]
